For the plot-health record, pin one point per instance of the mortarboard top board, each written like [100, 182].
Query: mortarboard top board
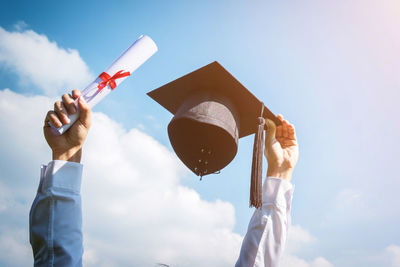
[212, 110]
[214, 77]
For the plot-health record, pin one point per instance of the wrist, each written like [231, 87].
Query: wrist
[282, 174]
[73, 155]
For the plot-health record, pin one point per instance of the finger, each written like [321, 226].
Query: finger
[289, 142]
[76, 93]
[84, 115]
[279, 131]
[53, 118]
[281, 139]
[69, 103]
[46, 119]
[285, 129]
[291, 132]
[61, 112]
[271, 131]
[280, 117]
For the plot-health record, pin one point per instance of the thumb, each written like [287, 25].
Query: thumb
[270, 133]
[84, 115]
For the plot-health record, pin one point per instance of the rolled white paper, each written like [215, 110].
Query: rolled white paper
[131, 59]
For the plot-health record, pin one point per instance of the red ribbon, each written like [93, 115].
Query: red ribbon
[110, 80]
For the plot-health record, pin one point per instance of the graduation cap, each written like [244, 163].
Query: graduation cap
[212, 110]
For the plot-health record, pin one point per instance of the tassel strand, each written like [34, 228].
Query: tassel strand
[256, 168]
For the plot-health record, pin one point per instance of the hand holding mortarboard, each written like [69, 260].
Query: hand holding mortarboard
[212, 110]
[281, 149]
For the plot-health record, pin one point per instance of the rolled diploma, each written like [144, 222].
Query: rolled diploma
[131, 59]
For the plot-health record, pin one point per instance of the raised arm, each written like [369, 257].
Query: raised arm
[55, 221]
[266, 235]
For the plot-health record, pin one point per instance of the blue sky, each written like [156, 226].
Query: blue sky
[330, 67]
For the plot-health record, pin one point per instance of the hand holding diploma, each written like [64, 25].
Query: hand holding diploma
[74, 110]
[131, 59]
[69, 145]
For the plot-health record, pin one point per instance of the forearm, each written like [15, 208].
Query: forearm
[56, 218]
[266, 235]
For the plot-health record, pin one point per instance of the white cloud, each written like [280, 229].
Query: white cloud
[13, 251]
[138, 180]
[43, 63]
[386, 257]
[394, 255]
[291, 261]
[299, 238]
[131, 185]
[20, 26]
[351, 204]
[136, 211]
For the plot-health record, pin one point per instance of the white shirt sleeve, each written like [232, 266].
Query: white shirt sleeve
[265, 239]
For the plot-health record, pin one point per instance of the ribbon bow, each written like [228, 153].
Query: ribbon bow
[110, 80]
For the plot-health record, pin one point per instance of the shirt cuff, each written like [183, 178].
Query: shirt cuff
[62, 174]
[278, 192]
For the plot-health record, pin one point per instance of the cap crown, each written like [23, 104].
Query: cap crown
[204, 132]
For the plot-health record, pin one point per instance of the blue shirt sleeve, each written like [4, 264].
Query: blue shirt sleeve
[55, 219]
